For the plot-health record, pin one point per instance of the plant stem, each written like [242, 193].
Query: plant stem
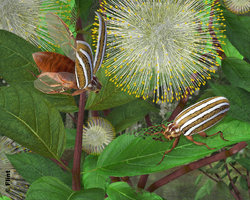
[114, 179]
[209, 176]
[195, 165]
[216, 174]
[106, 112]
[61, 164]
[73, 118]
[143, 178]
[76, 181]
[94, 113]
[178, 108]
[248, 183]
[142, 181]
[127, 180]
[235, 189]
[236, 170]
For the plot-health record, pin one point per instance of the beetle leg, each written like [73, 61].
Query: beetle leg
[156, 133]
[203, 134]
[176, 141]
[198, 143]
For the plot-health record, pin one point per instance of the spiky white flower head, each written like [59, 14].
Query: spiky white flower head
[26, 18]
[97, 135]
[11, 183]
[164, 46]
[238, 6]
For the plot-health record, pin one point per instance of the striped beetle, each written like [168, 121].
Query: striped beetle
[196, 119]
[60, 73]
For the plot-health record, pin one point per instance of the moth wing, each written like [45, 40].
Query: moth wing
[53, 62]
[83, 64]
[47, 84]
[101, 44]
[60, 33]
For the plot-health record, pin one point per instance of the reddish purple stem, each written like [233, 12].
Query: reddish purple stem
[196, 165]
[143, 178]
[95, 113]
[76, 181]
[178, 108]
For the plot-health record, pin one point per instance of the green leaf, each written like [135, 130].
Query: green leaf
[16, 65]
[245, 162]
[130, 155]
[243, 182]
[148, 196]
[238, 98]
[212, 171]
[237, 72]
[224, 189]
[48, 188]
[63, 103]
[204, 190]
[229, 49]
[32, 167]
[238, 31]
[70, 138]
[126, 115]
[16, 58]
[121, 191]
[219, 164]
[89, 194]
[4, 198]
[110, 96]
[92, 179]
[31, 121]
[198, 179]
[84, 7]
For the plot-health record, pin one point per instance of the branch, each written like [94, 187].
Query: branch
[73, 118]
[143, 178]
[248, 183]
[216, 174]
[94, 113]
[142, 181]
[178, 108]
[195, 165]
[235, 189]
[127, 180]
[236, 170]
[209, 176]
[61, 164]
[76, 180]
[114, 179]
[106, 112]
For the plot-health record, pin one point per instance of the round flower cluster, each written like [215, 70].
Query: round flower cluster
[97, 135]
[238, 6]
[161, 48]
[26, 18]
